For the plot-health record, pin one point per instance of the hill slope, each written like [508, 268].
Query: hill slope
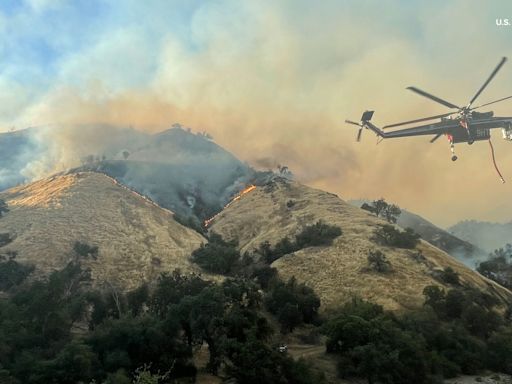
[337, 272]
[182, 171]
[462, 250]
[136, 239]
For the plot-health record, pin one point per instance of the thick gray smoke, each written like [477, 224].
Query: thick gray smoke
[486, 235]
[182, 171]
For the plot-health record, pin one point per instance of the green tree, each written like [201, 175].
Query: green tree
[290, 317]
[389, 212]
[13, 273]
[171, 288]
[390, 236]
[499, 355]
[217, 256]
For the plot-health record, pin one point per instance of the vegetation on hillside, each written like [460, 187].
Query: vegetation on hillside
[318, 234]
[85, 250]
[146, 336]
[3, 207]
[457, 332]
[499, 266]
[149, 335]
[292, 303]
[12, 273]
[392, 237]
[378, 262]
[380, 208]
[217, 256]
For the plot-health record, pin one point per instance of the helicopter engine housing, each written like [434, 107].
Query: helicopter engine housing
[507, 132]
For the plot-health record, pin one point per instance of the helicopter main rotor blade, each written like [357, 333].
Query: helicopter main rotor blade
[352, 122]
[498, 67]
[359, 134]
[432, 97]
[492, 102]
[436, 137]
[419, 120]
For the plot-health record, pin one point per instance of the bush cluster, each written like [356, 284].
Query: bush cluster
[457, 332]
[140, 337]
[318, 234]
[498, 266]
[393, 237]
[85, 250]
[292, 303]
[217, 256]
[378, 262]
[13, 273]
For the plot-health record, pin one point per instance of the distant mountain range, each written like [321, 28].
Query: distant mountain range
[488, 236]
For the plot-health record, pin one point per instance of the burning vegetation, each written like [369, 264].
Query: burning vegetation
[237, 197]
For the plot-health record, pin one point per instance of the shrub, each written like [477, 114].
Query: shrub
[317, 234]
[449, 276]
[3, 207]
[378, 262]
[286, 300]
[13, 273]
[265, 275]
[282, 247]
[85, 250]
[5, 239]
[392, 237]
[217, 256]
[497, 267]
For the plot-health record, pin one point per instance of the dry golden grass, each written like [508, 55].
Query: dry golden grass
[137, 240]
[337, 272]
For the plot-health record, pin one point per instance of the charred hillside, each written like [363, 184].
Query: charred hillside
[184, 172]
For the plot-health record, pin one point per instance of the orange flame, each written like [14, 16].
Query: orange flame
[237, 197]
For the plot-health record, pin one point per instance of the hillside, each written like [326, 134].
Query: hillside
[183, 171]
[462, 250]
[486, 235]
[337, 272]
[137, 240]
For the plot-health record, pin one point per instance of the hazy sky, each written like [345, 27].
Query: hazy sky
[272, 81]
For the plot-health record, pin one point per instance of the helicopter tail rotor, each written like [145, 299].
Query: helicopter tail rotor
[365, 118]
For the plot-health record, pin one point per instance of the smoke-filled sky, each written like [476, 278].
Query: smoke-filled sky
[272, 81]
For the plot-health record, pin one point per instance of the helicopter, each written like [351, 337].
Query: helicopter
[461, 125]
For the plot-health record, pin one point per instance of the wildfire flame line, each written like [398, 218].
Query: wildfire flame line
[237, 197]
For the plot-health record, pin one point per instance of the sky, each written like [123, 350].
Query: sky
[273, 82]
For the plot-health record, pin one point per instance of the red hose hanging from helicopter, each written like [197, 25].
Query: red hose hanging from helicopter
[494, 161]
